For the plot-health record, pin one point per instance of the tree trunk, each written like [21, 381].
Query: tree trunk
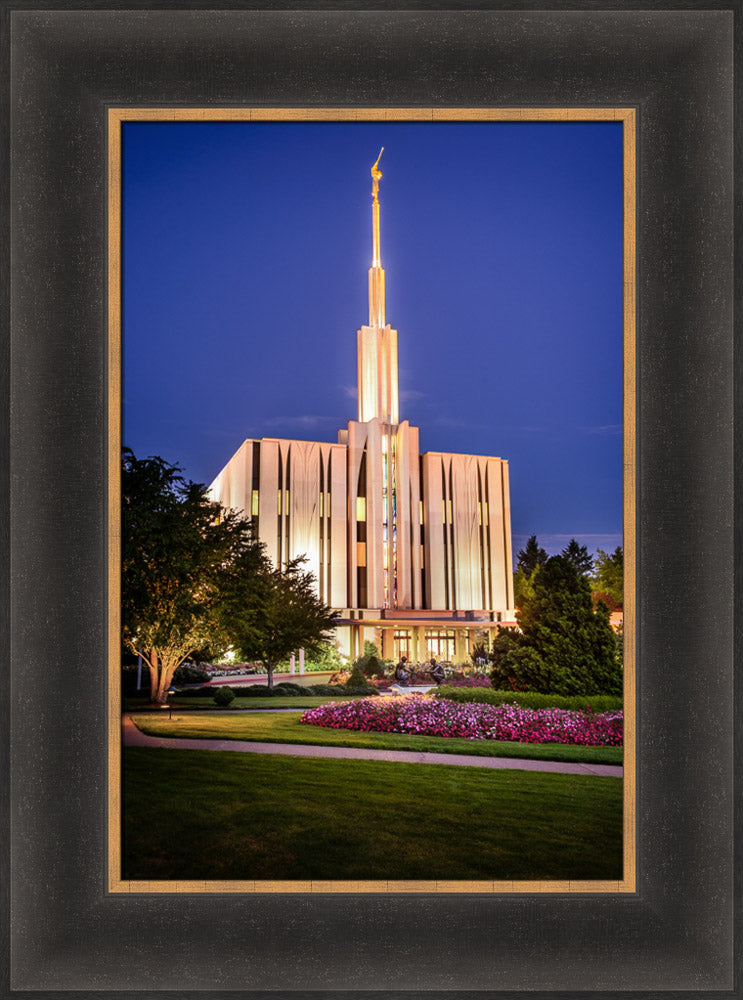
[152, 663]
[269, 670]
[166, 677]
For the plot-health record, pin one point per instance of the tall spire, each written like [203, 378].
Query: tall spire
[377, 342]
[376, 272]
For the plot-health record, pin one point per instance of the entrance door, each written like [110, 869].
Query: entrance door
[440, 643]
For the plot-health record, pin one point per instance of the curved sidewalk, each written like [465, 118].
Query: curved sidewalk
[133, 737]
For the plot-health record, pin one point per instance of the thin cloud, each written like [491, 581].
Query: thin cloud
[555, 543]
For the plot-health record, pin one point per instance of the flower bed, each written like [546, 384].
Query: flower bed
[420, 715]
[469, 681]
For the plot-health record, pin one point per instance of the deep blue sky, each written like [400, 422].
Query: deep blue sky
[246, 248]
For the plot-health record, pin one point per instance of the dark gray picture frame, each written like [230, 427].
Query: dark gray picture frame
[70, 937]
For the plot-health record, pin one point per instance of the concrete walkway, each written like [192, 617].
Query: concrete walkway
[133, 737]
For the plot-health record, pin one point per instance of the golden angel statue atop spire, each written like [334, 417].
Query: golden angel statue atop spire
[376, 176]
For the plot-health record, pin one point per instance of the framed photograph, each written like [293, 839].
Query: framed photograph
[665, 79]
[563, 236]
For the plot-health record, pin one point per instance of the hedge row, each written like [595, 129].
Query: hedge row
[531, 699]
[288, 689]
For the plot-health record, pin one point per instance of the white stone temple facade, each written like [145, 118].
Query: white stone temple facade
[414, 550]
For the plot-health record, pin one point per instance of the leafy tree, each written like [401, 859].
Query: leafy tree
[522, 587]
[563, 647]
[278, 613]
[579, 556]
[608, 577]
[180, 553]
[531, 557]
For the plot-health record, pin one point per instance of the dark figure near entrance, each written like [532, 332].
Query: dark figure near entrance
[436, 671]
[401, 673]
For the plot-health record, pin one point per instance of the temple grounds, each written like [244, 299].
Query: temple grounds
[212, 814]
[268, 725]
[192, 814]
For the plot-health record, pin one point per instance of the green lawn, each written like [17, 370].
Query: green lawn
[192, 814]
[286, 728]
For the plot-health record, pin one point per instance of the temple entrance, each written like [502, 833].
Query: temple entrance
[401, 645]
[441, 644]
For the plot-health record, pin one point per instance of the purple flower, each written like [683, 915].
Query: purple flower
[427, 716]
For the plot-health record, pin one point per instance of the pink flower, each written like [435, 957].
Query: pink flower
[426, 716]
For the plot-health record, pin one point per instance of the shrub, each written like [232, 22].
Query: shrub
[255, 691]
[531, 699]
[370, 665]
[224, 696]
[356, 678]
[368, 691]
[289, 688]
[194, 692]
[324, 690]
[187, 673]
[478, 654]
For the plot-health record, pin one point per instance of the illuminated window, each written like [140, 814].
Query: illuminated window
[254, 503]
[485, 513]
[361, 553]
[278, 501]
[479, 512]
[420, 511]
[360, 508]
[440, 643]
[443, 511]
[322, 505]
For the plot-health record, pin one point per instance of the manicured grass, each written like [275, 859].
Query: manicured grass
[286, 728]
[262, 704]
[193, 814]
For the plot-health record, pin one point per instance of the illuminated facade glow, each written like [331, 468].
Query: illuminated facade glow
[414, 550]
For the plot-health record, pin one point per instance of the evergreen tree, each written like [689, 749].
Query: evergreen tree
[531, 557]
[563, 647]
[579, 556]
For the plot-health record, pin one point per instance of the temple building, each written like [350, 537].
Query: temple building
[413, 550]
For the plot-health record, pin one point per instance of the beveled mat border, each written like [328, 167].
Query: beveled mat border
[116, 117]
